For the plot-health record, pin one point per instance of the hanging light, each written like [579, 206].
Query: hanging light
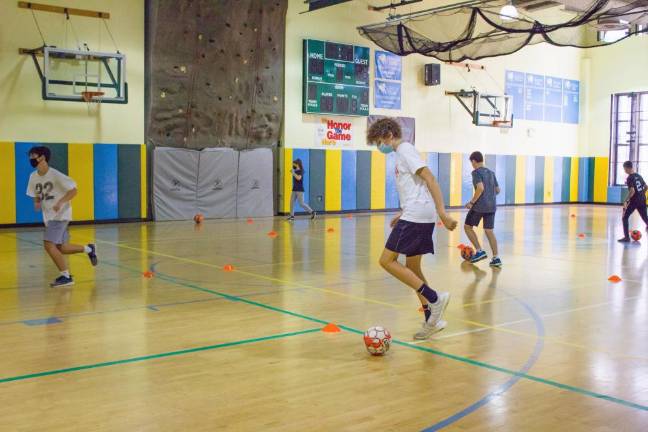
[508, 12]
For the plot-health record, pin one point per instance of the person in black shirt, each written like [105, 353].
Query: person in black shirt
[298, 190]
[482, 206]
[636, 200]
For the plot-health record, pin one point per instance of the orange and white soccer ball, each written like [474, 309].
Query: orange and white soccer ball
[377, 340]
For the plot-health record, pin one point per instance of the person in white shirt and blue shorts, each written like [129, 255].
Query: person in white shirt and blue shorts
[421, 204]
[52, 192]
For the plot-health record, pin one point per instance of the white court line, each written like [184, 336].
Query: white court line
[482, 329]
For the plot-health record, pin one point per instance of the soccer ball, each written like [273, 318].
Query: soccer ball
[377, 340]
[467, 253]
[636, 235]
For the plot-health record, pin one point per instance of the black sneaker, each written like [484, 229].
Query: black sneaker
[624, 240]
[93, 254]
[62, 281]
[290, 218]
[313, 215]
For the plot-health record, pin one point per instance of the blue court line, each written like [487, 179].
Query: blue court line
[153, 307]
[43, 321]
[533, 358]
[156, 356]
[458, 358]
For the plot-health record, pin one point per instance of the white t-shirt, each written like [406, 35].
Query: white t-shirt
[415, 198]
[50, 188]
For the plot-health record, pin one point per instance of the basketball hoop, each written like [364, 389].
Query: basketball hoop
[92, 96]
[503, 125]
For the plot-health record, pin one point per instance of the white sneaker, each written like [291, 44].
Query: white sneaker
[437, 308]
[428, 330]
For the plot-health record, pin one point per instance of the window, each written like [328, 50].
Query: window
[629, 134]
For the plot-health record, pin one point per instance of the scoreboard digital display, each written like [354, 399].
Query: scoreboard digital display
[336, 78]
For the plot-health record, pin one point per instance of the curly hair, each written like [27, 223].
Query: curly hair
[382, 129]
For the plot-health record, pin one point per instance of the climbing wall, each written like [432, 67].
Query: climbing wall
[216, 73]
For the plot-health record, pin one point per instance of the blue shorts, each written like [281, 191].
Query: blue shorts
[57, 232]
[474, 217]
[411, 238]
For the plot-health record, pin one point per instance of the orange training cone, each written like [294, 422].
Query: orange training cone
[615, 279]
[228, 268]
[272, 234]
[148, 274]
[348, 217]
[581, 235]
[250, 221]
[331, 328]
[331, 229]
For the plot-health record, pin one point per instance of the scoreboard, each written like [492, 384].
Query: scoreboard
[336, 78]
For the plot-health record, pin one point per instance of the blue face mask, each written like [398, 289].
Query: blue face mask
[384, 148]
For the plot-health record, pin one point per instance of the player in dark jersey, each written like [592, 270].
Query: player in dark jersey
[636, 200]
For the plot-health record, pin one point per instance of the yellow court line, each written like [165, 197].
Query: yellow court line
[368, 300]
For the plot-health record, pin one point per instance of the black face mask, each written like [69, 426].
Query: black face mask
[33, 162]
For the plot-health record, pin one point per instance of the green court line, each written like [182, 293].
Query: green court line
[465, 360]
[156, 356]
[461, 359]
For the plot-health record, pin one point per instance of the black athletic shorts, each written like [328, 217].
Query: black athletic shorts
[474, 217]
[411, 238]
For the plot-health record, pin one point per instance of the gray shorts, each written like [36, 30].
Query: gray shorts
[57, 232]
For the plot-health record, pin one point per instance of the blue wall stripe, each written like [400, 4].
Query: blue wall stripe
[500, 174]
[583, 184]
[510, 179]
[363, 177]
[349, 162]
[106, 201]
[317, 182]
[444, 176]
[391, 192]
[566, 179]
[530, 180]
[591, 163]
[25, 212]
[539, 179]
[433, 163]
[557, 180]
[467, 188]
[304, 155]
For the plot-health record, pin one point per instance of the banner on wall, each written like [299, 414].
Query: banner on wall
[333, 134]
[387, 85]
[407, 125]
[388, 66]
[387, 94]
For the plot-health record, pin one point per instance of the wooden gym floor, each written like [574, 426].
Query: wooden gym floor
[547, 343]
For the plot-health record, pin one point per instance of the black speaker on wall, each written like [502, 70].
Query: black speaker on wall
[432, 74]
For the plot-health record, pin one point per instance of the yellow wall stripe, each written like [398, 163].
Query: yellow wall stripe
[7, 183]
[573, 180]
[333, 181]
[601, 168]
[378, 168]
[549, 180]
[143, 187]
[455, 179]
[520, 179]
[81, 169]
[287, 179]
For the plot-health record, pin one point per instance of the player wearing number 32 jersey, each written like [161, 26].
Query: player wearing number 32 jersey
[52, 192]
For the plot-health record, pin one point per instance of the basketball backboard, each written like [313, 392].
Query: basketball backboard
[72, 75]
[493, 110]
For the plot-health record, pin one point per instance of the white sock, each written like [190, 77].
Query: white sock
[87, 249]
[65, 273]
